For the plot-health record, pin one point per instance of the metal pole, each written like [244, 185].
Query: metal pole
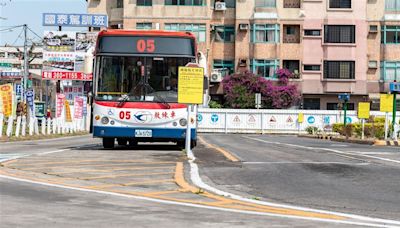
[188, 136]
[394, 115]
[386, 125]
[363, 127]
[345, 113]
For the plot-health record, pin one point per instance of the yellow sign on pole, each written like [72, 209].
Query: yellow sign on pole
[190, 85]
[7, 99]
[363, 110]
[68, 117]
[386, 102]
[300, 118]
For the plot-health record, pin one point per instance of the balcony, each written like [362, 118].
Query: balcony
[291, 3]
[117, 14]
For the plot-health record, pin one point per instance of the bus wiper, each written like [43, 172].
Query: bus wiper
[163, 101]
[124, 99]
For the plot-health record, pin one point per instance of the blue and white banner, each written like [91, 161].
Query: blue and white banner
[30, 96]
[75, 20]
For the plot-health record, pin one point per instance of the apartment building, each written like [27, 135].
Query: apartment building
[331, 46]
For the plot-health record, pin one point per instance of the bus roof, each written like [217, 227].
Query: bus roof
[120, 32]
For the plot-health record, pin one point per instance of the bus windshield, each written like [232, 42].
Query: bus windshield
[133, 79]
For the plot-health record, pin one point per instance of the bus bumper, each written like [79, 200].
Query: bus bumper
[157, 133]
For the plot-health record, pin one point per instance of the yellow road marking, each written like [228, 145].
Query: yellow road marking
[227, 154]
[180, 179]
[162, 193]
[126, 175]
[110, 170]
[129, 184]
[102, 165]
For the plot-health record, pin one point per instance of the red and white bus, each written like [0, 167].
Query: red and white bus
[135, 87]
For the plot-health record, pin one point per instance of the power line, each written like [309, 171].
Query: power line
[40, 37]
[18, 37]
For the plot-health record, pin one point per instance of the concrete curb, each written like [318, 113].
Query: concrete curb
[350, 140]
[387, 143]
[326, 137]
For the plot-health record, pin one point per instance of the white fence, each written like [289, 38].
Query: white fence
[21, 126]
[271, 121]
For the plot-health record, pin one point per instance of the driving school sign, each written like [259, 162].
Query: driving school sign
[190, 85]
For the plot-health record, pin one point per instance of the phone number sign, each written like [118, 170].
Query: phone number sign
[67, 76]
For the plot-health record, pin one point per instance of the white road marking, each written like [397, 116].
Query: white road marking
[333, 163]
[374, 152]
[389, 225]
[16, 156]
[325, 149]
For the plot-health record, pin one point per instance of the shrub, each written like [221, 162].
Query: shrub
[312, 130]
[339, 128]
[214, 104]
[349, 130]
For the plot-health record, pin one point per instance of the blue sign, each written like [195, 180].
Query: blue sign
[84, 111]
[327, 120]
[349, 120]
[199, 117]
[344, 97]
[75, 20]
[311, 119]
[214, 118]
[18, 89]
[29, 99]
[395, 87]
[11, 74]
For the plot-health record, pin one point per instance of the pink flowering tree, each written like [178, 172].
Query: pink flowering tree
[240, 89]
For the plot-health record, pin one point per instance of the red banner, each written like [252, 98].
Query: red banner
[59, 104]
[78, 107]
[49, 75]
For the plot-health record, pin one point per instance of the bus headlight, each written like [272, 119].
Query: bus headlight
[183, 122]
[105, 120]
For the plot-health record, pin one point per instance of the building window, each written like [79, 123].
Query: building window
[390, 34]
[346, 4]
[312, 32]
[291, 34]
[265, 68]
[312, 67]
[336, 106]
[265, 33]
[266, 3]
[199, 30]
[312, 103]
[120, 3]
[144, 26]
[390, 71]
[184, 2]
[225, 33]
[392, 5]
[291, 3]
[144, 2]
[221, 64]
[293, 66]
[339, 34]
[339, 69]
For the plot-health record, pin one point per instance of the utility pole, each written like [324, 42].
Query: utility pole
[26, 63]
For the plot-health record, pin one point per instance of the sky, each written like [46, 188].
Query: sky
[19, 12]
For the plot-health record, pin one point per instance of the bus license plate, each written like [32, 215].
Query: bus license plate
[143, 133]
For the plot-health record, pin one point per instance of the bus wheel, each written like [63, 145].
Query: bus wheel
[133, 142]
[193, 144]
[122, 142]
[108, 143]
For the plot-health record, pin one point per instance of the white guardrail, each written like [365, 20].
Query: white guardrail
[272, 121]
[21, 126]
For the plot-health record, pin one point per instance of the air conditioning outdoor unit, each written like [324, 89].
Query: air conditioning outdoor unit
[216, 76]
[120, 26]
[219, 6]
[373, 28]
[243, 26]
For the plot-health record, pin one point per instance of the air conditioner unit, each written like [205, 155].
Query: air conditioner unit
[216, 76]
[243, 26]
[120, 26]
[373, 28]
[220, 6]
[372, 64]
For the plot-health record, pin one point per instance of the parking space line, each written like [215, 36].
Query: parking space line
[110, 170]
[162, 193]
[126, 175]
[180, 179]
[102, 165]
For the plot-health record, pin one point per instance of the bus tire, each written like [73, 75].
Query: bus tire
[193, 144]
[133, 142]
[108, 143]
[122, 142]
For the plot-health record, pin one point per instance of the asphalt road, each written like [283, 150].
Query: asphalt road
[320, 174]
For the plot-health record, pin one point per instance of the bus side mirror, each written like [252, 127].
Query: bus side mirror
[90, 97]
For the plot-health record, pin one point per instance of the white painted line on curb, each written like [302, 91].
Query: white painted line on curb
[197, 205]
[305, 163]
[196, 179]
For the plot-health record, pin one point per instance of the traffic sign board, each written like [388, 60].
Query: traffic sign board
[395, 87]
[386, 103]
[363, 110]
[344, 97]
[190, 85]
